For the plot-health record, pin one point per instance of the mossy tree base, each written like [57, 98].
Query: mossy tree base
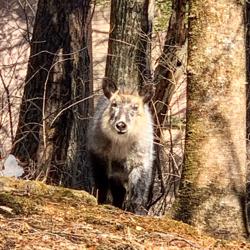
[215, 211]
[214, 171]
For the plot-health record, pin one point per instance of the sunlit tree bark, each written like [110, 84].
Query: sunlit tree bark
[248, 115]
[214, 175]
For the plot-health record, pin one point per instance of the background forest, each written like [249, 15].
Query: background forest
[54, 55]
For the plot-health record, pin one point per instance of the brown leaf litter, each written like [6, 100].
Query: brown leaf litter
[37, 216]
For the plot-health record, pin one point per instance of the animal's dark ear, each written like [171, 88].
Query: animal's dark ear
[109, 87]
[147, 92]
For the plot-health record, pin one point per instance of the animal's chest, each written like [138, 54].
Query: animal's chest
[124, 159]
[119, 152]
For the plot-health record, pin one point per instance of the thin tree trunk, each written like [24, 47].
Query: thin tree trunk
[170, 59]
[165, 77]
[213, 181]
[82, 88]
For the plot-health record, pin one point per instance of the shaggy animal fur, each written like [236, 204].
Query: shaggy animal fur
[121, 147]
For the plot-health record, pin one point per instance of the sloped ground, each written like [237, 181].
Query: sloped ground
[37, 216]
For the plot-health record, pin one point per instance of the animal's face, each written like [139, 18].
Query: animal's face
[124, 112]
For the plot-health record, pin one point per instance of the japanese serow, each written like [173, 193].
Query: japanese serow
[121, 147]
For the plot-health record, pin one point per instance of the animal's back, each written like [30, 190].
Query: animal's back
[97, 141]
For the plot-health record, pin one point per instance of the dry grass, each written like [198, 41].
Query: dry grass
[37, 216]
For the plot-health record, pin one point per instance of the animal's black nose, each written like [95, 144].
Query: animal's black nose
[121, 127]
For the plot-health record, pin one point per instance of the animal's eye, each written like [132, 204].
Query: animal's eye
[114, 104]
[135, 107]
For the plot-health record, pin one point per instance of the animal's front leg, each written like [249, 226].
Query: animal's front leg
[118, 182]
[138, 190]
[99, 167]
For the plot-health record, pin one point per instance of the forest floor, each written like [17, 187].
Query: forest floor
[37, 216]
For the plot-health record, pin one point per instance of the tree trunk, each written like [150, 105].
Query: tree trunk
[171, 63]
[214, 175]
[248, 115]
[82, 88]
[58, 65]
[129, 50]
[44, 46]
[170, 59]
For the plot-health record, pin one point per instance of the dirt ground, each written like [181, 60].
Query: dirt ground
[36, 216]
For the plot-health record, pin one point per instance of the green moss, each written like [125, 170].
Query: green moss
[102, 3]
[187, 206]
[25, 197]
[211, 208]
[76, 198]
[163, 9]
[56, 194]
[18, 204]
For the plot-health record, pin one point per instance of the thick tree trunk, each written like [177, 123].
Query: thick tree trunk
[171, 63]
[44, 46]
[214, 175]
[59, 65]
[129, 50]
[248, 114]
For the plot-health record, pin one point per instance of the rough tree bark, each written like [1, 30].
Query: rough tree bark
[213, 181]
[82, 89]
[43, 48]
[129, 49]
[58, 75]
[248, 114]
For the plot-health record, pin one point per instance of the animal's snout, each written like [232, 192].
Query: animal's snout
[121, 127]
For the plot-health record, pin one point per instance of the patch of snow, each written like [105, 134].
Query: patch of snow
[11, 167]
